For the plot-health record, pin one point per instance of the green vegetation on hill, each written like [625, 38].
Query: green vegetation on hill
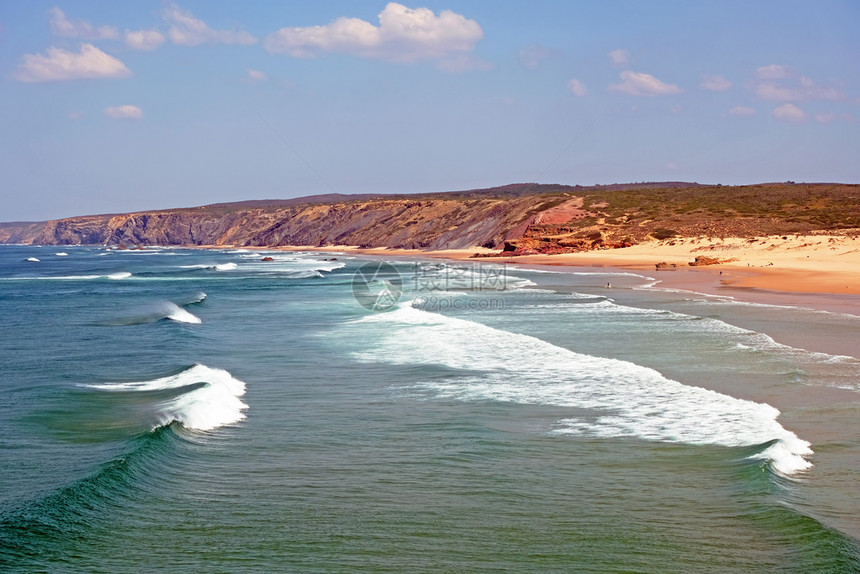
[637, 214]
[548, 218]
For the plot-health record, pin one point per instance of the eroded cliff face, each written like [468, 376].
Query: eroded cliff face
[20, 231]
[436, 223]
[519, 219]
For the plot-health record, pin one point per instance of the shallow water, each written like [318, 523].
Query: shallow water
[195, 409]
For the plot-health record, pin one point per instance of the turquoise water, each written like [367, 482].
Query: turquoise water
[207, 411]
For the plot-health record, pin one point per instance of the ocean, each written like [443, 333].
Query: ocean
[205, 410]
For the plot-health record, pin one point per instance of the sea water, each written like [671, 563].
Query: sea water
[174, 409]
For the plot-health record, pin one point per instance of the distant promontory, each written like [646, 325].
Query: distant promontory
[518, 218]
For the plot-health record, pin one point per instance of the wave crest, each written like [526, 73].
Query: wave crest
[611, 398]
[208, 398]
[156, 312]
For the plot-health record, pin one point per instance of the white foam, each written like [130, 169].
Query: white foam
[119, 275]
[748, 340]
[217, 267]
[478, 277]
[61, 254]
[214, 404]
[297, 266]
[198, 298]
[157, 311]
[624, 399]
[32, 260]
[115, 276]
[180, 315]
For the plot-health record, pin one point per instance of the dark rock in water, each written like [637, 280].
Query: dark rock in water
[267, 259]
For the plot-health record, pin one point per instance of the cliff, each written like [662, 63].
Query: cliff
[434, 221]
[519, 218]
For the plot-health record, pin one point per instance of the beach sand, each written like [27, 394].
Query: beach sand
[817, 271]
[801, 264]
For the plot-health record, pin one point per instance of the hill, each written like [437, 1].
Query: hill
[521, 218]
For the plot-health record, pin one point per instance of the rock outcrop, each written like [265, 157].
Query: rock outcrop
[521, 218]
[441, 221]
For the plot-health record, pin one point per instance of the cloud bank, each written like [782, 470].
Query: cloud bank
[714, 83]
[143, 39]
[776, 83]
[124, 112]
[576, 87]
[639, 84]
[403, 35]
[619, 57]
[61, 65]
[186, 30]
[256, 75]
[789, 113]
[62, 26]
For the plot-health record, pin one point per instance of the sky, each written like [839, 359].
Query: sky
[109, 107]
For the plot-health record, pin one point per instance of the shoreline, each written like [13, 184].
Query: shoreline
[818, 272]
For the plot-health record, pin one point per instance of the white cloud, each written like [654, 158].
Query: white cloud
[802, 90]
[62, 26]
[576, 87]
[774, 72]
[257, 75]
[742, 111]
[619, 57]
[789, 113]
[76, 115]
[187, 30]
[124, 112]
[143, 39]
[825, 118]
[639, 84]
[403, 35]
[715, 83]
[60, 65]
[784, 84]
[531, 57]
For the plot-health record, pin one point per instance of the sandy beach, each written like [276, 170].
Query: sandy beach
[812, 270]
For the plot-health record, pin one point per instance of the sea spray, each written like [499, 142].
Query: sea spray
[156, 311]
[613, 398]
[209, 397]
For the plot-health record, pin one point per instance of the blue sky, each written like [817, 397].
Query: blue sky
[121, 106]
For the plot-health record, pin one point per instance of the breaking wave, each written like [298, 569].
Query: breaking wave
[610, 398]
[205, 399]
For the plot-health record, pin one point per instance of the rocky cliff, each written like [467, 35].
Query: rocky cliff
[520, 218]
[437, 221]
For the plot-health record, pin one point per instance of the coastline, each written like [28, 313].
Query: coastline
[814, 271]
